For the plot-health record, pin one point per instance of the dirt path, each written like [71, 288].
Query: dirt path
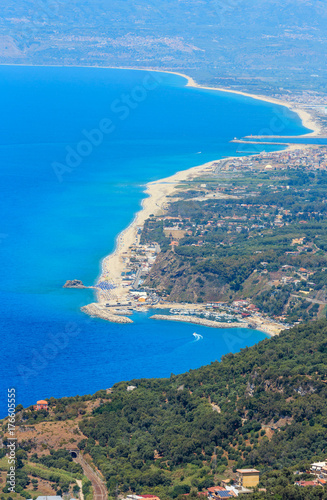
[80, 485]
[99, 488]
[314, 301]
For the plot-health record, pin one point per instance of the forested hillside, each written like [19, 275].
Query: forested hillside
[264, 407]
[263, 240]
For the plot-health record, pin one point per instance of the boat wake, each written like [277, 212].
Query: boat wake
[197, 337]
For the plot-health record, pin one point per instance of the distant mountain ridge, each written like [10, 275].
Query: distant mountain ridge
[281, 43]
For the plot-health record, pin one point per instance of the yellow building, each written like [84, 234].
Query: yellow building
[248, 478]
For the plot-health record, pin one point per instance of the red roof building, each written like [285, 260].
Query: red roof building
[213, 489]
[306, 483]
[41, 405]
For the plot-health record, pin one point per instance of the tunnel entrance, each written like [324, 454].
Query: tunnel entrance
[73, 453]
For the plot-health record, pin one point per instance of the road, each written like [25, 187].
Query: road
[137, 278]
[99, 488]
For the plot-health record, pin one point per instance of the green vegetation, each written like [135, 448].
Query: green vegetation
[263, 46]
[264, 407]
[58, 459]
[164, 436]
[57, 468]
[267, 243]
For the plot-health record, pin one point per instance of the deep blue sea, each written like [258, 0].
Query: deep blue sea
[64, 199]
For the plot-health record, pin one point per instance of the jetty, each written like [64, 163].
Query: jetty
[200, 321]
[99, 310]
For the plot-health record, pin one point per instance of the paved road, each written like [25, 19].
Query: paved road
[137, 278]
[99, 488]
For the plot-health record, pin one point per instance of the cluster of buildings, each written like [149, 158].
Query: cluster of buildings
[246, 479]
[318, 469]
[138, 261]
[312, 158]
[204, 312]
[310, 99]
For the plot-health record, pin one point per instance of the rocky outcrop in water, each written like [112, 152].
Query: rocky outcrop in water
[74, 284]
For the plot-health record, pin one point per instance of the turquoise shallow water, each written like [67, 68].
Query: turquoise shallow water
[60, 217]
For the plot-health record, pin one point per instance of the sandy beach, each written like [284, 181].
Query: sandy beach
[307, 119]
[154, 203]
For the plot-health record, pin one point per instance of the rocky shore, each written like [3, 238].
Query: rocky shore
[100, 311]
[74, 284]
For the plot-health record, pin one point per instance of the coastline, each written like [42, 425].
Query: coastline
[155, 201]
[271, 329]
[307, 119]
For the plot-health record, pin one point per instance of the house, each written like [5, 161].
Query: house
[316, 467]
[252, 307]
[298, 241]
[41, 405]
[215, 489]
[248, 478]
[218, 492]
[304, 484]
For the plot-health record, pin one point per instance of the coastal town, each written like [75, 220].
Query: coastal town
[164, 250]
[125, 286]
